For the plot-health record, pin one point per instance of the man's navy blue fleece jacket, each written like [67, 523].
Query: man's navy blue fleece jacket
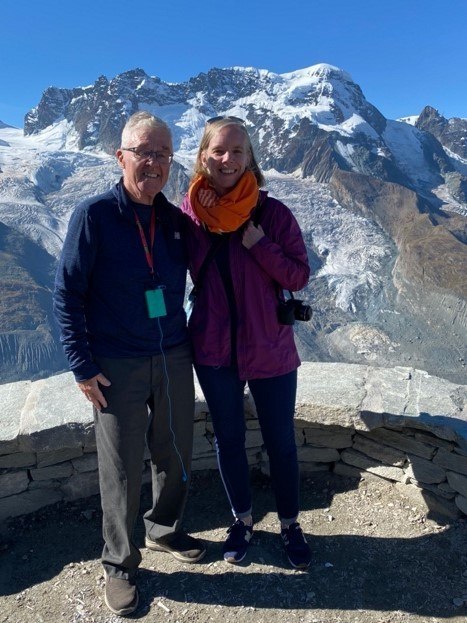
[102, 276]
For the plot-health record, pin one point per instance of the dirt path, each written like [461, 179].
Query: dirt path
[376, 559]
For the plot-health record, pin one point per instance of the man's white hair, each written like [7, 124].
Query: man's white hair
[142, 118]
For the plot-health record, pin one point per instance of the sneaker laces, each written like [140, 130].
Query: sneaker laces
[293, 535]
[239, 530]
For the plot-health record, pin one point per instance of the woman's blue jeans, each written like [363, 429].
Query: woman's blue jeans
[275, 405]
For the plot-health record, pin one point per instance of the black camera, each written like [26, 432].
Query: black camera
[293, 309]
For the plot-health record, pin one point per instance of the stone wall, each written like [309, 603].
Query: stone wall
[399, 424]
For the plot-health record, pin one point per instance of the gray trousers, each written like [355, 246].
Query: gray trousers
[150, 400]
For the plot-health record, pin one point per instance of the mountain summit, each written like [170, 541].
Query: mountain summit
[311, 121]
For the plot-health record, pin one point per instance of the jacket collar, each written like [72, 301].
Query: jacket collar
[160, 202]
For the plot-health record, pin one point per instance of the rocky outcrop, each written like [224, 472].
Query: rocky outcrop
[427, 292]
[430, 254]
[452, 133]
[398, 424]
[28, 336]
[28, 354]
[98, 113]
[457, 185]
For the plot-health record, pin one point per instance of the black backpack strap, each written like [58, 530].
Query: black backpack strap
[217, 244]
[213, 249]
[258, 210]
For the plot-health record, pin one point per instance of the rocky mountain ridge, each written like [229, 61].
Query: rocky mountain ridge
[314, 120]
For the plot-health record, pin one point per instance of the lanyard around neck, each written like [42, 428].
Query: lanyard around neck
[148, 251]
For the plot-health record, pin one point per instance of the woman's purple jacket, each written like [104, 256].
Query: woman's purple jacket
[278, 261]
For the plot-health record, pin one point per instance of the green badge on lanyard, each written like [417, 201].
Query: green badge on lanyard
[155, 303]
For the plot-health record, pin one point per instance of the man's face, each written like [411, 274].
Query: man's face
[143, 177]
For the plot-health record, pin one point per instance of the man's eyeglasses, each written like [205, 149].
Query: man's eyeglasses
[227, 117]
[161, 157]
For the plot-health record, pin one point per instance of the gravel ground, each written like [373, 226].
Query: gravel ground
[376, 559]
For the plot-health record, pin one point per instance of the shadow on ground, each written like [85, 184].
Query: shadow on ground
[350, 571]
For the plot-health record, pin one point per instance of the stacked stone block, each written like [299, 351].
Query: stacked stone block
[351, 420]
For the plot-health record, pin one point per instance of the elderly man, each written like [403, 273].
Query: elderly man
[118, 299]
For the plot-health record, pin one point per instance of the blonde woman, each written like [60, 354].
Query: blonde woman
[255, 250]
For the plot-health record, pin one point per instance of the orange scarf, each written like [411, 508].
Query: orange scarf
[231, 210]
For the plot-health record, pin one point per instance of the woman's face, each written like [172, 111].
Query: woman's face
[226, 158]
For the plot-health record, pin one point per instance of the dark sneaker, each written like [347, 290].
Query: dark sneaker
[182, 546]
[121, 595]
[297, 549]
[236, 544]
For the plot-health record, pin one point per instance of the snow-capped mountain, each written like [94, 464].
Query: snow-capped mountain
[309, 122]
[381, 202]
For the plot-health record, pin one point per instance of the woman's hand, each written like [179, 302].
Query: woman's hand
[252, 234]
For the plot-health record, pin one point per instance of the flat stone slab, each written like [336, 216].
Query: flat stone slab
[50, 414]
[55, 415]
[331, 394]
[12, 399]
[366, 398]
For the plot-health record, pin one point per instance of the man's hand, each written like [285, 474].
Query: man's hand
[91, 390]
[251, 235]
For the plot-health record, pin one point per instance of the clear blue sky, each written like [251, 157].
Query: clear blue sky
[403, 54]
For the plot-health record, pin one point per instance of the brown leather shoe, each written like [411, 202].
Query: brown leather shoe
[182, 546]
[121, 595]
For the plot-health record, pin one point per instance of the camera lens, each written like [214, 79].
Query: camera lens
[302, 311]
